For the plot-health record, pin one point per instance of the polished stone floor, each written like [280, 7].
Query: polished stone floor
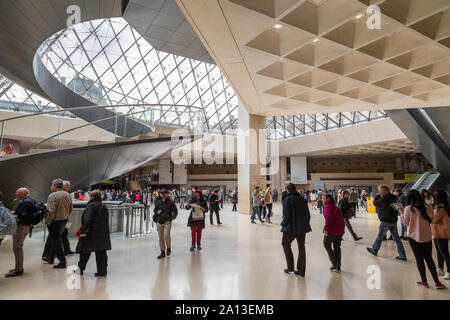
[239, 260]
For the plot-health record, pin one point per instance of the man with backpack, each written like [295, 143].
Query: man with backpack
[388, 221]
[24, 215]
[59, 204]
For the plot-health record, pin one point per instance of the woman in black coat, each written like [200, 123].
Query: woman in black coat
[94, 234]
[196, 225]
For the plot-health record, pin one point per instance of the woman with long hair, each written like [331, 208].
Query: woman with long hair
[333, 231]
[268, 200]
[440, 229]
[195, 222]
[427, 197]
[418, 216]
[339, 195]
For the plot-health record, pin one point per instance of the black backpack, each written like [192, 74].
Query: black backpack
[40, 210]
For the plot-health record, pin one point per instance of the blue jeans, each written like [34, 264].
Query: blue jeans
[256, 211]
[392, 227]
[363, 204]
[182, 201]
[404, 230]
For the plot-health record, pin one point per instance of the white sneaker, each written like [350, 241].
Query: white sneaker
[446, 276]
[440, 272]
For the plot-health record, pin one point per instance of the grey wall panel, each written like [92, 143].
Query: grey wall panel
[84, 166]
[76, 167]
[51, 168]
[27, 175]
[419, 137]
[441, 119]
[98, 160]
[163, 25]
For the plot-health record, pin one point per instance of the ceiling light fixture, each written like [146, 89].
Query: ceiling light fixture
[277, 26]
[315, 40]
[359, 16]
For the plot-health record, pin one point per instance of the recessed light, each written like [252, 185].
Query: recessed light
[315, 40]
[277, 26]
[358, 16]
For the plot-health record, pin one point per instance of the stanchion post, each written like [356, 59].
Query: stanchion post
[128, 222]
[141, 220]
[147, 214]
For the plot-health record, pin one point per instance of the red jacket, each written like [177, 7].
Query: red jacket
[334, 219]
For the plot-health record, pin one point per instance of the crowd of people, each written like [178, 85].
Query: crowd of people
[93, 234]
[425, 218]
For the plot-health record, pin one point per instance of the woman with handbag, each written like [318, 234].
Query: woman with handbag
[94, 234]
[196, 220]
[346, 209]
[333, 231]
[418, 217]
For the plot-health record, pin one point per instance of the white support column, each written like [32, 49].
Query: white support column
[251, 170]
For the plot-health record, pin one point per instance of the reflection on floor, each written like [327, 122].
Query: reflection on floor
[238, 261]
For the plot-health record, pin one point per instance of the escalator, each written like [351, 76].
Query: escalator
[429, 131]
[427, 180]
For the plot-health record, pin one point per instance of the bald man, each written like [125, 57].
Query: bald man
[23, 215]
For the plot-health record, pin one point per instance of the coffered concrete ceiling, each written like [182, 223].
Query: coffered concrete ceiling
[310, 56]
[392, 147]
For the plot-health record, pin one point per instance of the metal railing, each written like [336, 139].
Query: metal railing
[137, 220]
[56, 133]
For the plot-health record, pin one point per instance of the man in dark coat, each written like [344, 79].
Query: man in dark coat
[295, 225]
[94, 234]
[214, 202]
[234, 200]
[388, 221]
[165, 211]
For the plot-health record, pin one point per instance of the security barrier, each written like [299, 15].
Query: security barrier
[137, 221]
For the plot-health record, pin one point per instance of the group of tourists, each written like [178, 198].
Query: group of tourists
[425, 219]
[93, 233]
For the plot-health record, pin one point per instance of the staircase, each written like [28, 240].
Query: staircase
[135, 185]
[423, 181]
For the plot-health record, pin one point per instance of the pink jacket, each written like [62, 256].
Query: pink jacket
[334, 219]
[419, 229]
